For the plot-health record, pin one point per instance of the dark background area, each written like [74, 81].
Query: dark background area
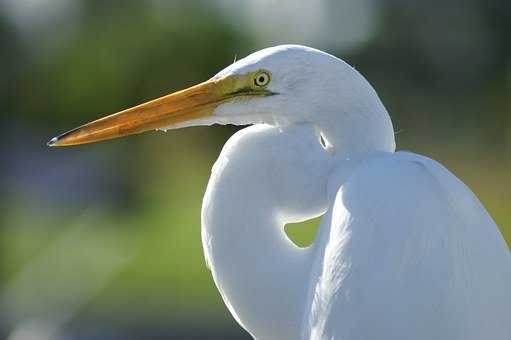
[102, 241]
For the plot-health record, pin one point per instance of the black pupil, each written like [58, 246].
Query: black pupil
[261, 79]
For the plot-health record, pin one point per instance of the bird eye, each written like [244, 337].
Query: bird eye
[261, 79]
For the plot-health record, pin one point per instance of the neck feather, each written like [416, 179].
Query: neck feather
[360, 132]
[261, 275]
[261, 181]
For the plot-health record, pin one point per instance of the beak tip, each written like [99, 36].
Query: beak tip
[53, 141]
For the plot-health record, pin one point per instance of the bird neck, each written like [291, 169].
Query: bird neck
[260, 182]
[358, 133]
[354, 121]
[261, 275]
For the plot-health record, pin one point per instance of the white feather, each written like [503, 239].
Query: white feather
[404, 250]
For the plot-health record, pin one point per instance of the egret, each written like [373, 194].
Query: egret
[404, 249]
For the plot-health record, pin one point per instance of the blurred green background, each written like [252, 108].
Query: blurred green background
[103, 241]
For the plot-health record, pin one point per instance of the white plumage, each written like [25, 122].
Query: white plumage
[404, 250]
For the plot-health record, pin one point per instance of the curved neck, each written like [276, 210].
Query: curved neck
[261, 181]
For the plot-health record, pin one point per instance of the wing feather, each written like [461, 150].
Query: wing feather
[411, 254]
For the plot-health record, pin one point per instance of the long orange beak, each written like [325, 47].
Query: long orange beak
[196, 102]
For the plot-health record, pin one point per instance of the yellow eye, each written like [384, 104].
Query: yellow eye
[261, 79]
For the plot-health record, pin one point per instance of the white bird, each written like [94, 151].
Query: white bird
[404, 249]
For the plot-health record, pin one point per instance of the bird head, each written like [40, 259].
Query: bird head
[280, 85]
